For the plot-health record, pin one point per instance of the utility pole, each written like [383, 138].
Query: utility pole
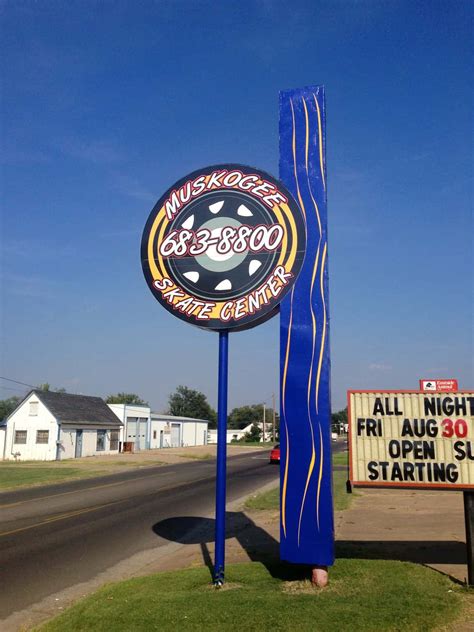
[263, 438]
[274, 414]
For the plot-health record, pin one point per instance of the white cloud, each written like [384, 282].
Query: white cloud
[133, 188]
[94, 151]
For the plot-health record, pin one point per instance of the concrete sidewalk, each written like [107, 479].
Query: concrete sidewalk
[426, 527]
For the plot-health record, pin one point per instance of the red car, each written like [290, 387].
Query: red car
[275, 454]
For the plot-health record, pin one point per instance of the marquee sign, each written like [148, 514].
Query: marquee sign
[223, 246]
[411, 439]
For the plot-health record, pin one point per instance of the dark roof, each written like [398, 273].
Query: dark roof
[81, 409]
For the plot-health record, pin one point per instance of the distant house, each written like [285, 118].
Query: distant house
[3, 431]
[235, 434]
[148, 430]
[48, 426]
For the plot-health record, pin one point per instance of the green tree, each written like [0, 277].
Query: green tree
[339, 418]
[46, 387]
[244, 415]
[126, 398]
[7, 406]
[187, 402]
[254, 434]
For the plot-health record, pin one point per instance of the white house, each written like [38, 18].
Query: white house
[149, 430]
[49, 426]
[234, 434]
[3, 432]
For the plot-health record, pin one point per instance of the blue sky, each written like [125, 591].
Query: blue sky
[106, 104]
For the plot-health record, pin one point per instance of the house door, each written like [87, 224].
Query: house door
[78, 452]
[131, 430]
[142, 428]
[175, 432]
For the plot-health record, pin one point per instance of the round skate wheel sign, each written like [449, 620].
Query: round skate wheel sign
[223, 246]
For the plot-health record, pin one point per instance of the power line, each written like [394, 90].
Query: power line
[8, 379]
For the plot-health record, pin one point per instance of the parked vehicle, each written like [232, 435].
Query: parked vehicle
[275, 454]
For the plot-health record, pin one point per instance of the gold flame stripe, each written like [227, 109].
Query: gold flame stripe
[285, 371]
[320, 141]
[323, 339]
[321, 448]
[294, 161]
[313, 200]
[313, 451]
[285, 480]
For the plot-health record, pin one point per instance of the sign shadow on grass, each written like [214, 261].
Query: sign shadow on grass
[259, 545]
[447, 552]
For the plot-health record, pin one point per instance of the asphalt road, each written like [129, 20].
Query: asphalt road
[57, 536]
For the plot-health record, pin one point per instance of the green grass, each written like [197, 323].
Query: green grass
[124, 463]
[363, 595]
[253, 444]
[13, 476]
[340, 458]
[265, 500]
[342, 500]
[271, 499]
[199, 457]
[27, 473]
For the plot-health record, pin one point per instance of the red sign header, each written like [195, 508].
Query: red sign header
[439, 386]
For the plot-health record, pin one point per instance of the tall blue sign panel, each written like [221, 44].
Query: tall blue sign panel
[307, 522]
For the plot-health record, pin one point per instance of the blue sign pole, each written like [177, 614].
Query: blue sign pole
[219, 561]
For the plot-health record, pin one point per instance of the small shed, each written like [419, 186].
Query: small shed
[168, 431]
[48, 426]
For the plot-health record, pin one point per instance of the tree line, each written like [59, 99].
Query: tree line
[188, 402]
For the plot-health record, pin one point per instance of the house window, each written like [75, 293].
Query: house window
[100, 440]
[154, 434]
[42, 436]
[20, 436]
[33, 408]
[114, 439]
